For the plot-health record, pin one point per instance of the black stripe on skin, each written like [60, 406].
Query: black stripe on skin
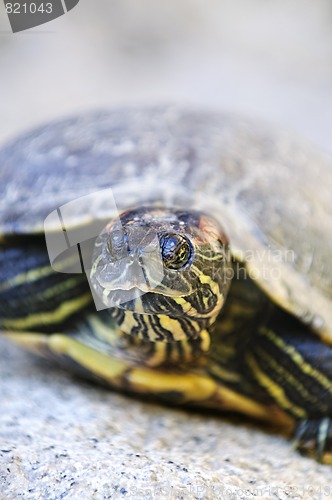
[154, 303]
[187, 325]
[196, 299]
[175, 353]
[179, 346]
[163, 333]
[117, 314]
[311, 348]
[19, 256]
[141, 329]
[29, 298]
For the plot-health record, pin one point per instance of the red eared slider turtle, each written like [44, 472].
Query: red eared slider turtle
[211, 288]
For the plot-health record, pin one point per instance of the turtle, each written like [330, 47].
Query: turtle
[175, 254]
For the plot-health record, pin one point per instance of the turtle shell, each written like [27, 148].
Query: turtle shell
[271, 192]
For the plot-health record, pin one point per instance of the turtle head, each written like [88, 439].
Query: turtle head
[163, 272]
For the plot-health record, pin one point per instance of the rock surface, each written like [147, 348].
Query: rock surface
[61, 437]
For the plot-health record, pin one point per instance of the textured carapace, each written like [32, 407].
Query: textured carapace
[163, 271]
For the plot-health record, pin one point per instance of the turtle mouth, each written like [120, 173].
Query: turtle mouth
[119, 297]
[129, 291]
[139, 282]
[140, 298]
[125, 287]
[139, 301]
[153, 302]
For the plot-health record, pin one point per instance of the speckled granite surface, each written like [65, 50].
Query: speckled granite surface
[61, 437]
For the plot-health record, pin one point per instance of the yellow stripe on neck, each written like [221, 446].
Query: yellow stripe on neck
[57, 316]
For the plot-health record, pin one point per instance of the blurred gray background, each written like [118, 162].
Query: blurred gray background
[267, 59]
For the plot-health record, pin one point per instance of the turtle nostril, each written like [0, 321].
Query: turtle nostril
[117, 245]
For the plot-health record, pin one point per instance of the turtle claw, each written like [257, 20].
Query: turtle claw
[313, 438]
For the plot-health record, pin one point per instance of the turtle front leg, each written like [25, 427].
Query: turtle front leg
[294, 367]
[313, 438]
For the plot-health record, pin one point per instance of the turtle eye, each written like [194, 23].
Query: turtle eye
[176, 250]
